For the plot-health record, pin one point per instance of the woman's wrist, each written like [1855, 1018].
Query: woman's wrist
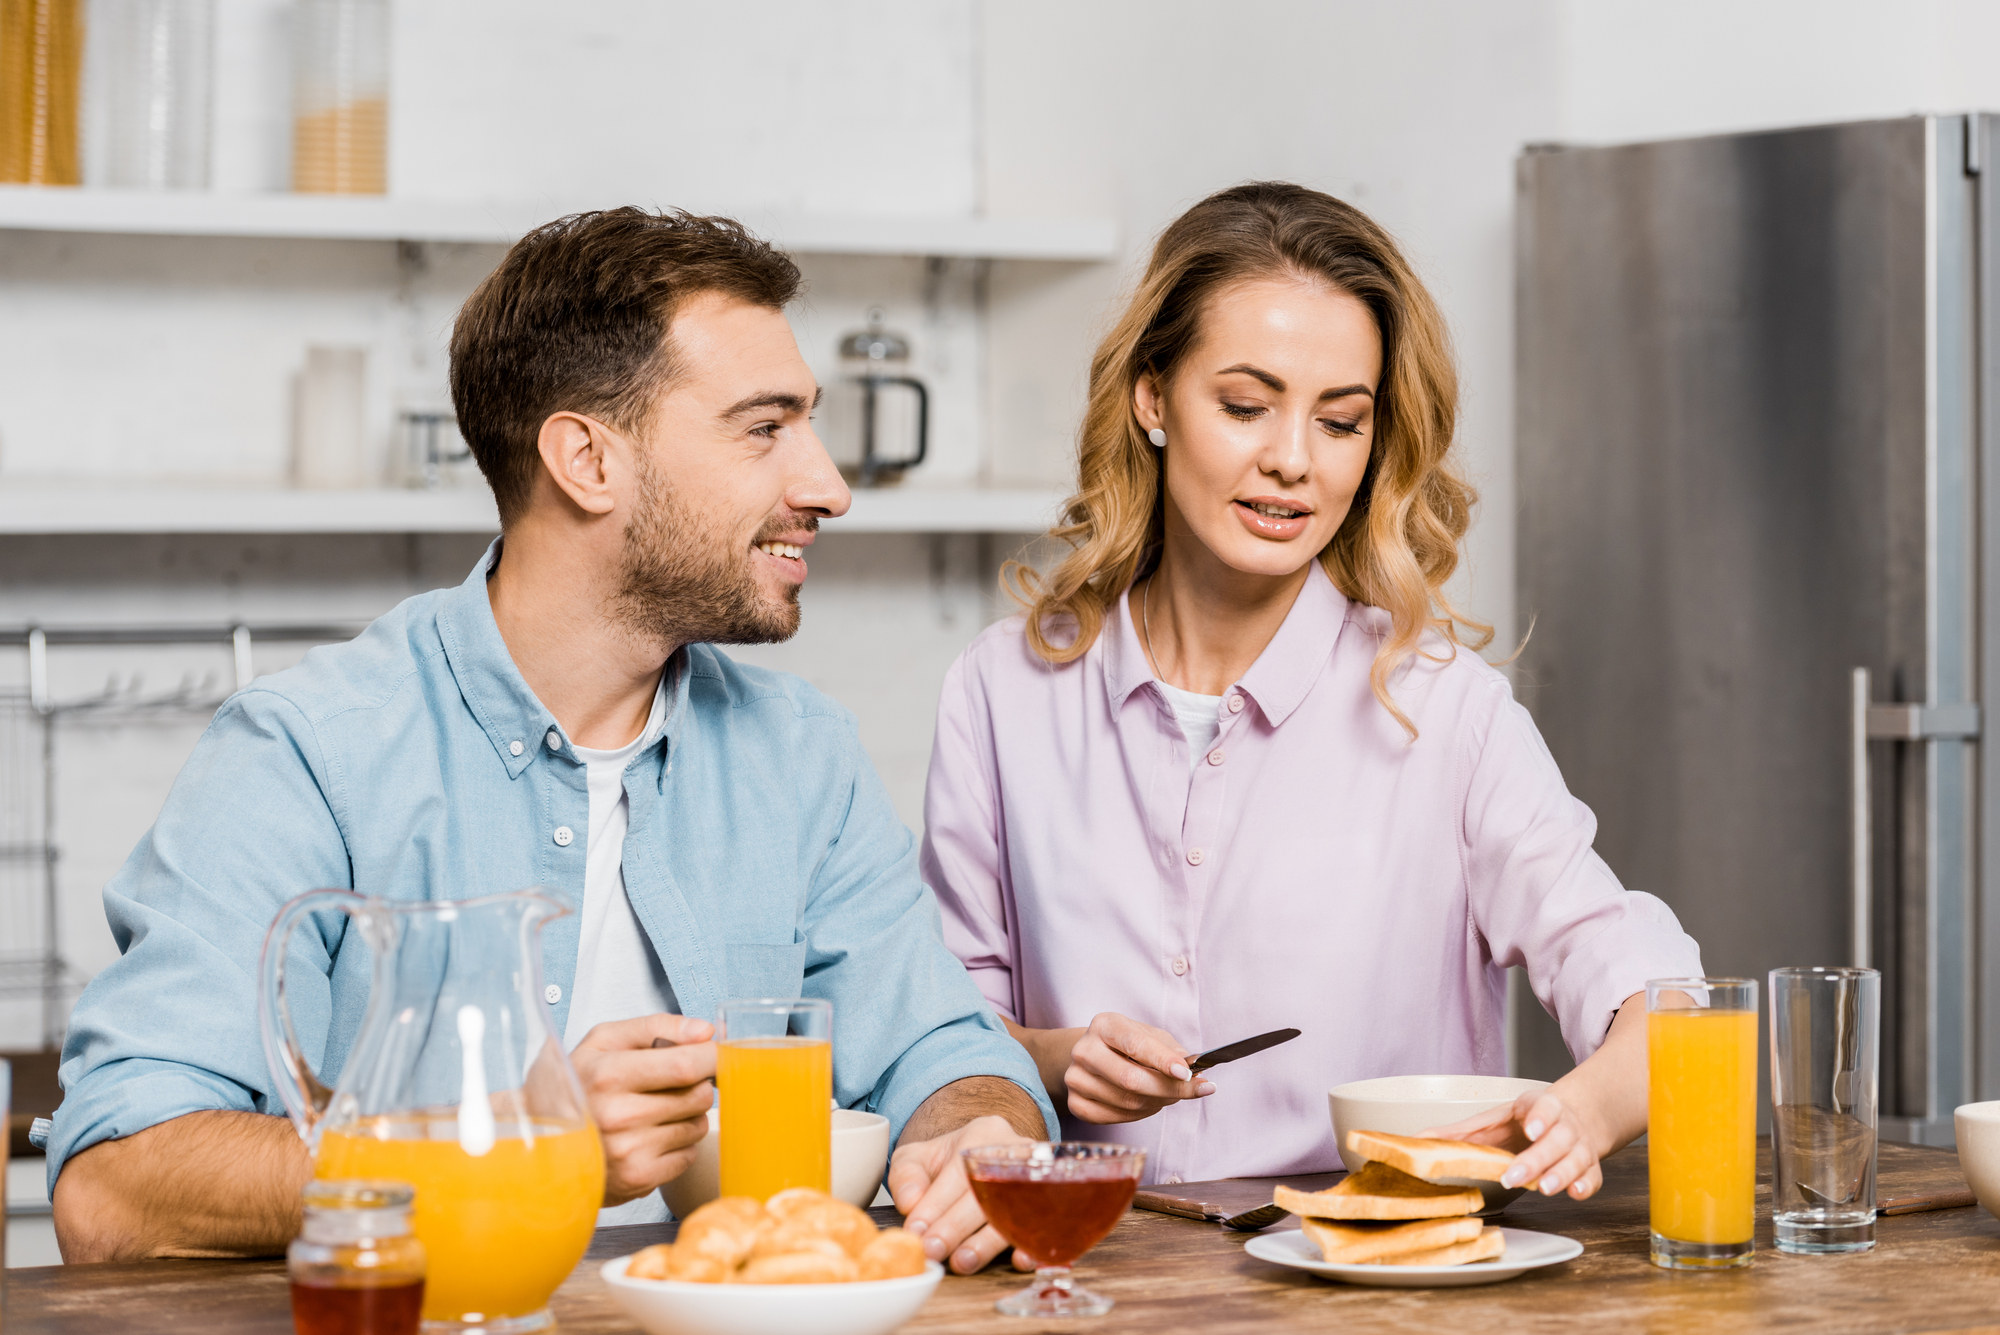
[1050, 1049]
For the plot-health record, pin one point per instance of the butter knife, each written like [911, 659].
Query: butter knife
[1244, 1048]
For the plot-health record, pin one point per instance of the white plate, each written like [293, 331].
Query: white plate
[1525, 1251]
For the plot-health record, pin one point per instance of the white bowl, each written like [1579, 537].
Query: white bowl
[1408, 1105]
[1978, 1129]
[860, 1155]
[675, 1307]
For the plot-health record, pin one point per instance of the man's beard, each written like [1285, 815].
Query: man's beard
[684, 580]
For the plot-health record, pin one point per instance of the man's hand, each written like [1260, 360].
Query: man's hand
[1123, 1071]
[927, 1178]
[650, 1102]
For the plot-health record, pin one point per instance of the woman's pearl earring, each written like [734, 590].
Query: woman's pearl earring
[1158, 437]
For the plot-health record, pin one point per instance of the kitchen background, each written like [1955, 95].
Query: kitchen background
[1008, 161]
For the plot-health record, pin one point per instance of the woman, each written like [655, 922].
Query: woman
[1238, 767]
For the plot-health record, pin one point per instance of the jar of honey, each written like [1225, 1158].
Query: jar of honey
[356, 1268]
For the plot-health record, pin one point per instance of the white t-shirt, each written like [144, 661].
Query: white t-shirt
[1200, 718]
[618, 973]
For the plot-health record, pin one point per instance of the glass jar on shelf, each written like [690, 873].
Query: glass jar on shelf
[340, 97]
[356, 1268]
[147, 92]
[41, 68]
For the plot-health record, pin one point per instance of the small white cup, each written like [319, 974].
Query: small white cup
[1978, 1130]
[860, 1157]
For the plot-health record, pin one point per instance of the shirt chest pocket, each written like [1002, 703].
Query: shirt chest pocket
[777, 971]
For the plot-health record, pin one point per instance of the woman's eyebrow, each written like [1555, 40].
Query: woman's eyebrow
[1345, 391]
[1245, 368]
[1277, 386]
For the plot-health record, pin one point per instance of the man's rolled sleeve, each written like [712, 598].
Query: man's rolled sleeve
[123, 1097]
[170, 1027]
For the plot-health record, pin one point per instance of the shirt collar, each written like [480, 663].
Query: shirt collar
[1299, 652]
[1277, 682]
[514, 720]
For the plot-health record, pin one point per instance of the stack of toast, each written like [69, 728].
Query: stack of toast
[1395, 1212]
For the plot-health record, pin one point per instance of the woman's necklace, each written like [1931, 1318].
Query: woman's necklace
[1146, 627]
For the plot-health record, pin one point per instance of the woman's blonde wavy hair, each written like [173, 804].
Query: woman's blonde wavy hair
[1399, 542]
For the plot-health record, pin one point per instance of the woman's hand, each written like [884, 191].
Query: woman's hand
[1559, 1144]
[1563, 1131]
[1123, 1071]
[1115, 1070]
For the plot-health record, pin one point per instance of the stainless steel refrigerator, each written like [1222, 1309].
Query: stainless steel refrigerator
[1759, 545]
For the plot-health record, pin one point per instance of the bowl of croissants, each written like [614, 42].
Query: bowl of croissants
[801, 1261]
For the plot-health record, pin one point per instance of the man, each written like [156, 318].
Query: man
[634, 396]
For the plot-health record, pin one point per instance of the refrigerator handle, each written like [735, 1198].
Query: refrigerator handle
[1861, 893]
[1866, 722]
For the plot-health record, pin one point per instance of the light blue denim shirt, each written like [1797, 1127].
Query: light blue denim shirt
[762, 859]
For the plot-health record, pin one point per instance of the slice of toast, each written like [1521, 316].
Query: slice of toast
[1360, 1243]
[1488, 1246]
[1431, 1159]
[1379, 1192]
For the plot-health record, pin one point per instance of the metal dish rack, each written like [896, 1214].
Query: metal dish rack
[31, 957]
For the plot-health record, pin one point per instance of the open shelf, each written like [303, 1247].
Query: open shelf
[28, 508]
[385, 218]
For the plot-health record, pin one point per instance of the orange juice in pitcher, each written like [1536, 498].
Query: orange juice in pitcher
[487, 1253]
[457, 1085]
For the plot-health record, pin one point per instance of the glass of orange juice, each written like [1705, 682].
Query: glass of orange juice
[1701, 1040]
[774, 1084]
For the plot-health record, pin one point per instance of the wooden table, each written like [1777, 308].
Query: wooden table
[1929, 1272]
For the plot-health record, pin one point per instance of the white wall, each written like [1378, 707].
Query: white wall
[1412, 112]
[1649, 71]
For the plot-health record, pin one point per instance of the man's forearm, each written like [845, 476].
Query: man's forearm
[206, 1184]
[975, 1096]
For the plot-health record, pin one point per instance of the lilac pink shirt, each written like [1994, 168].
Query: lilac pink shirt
[1320, 870]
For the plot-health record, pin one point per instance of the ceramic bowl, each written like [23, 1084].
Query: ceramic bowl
[1407, 1105]
[1978, 1128]
[674, 1307]
[860, 1156]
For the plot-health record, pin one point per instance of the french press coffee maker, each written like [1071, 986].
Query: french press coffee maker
[877, 361]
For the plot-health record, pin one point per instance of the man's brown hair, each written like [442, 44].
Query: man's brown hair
[577, 318]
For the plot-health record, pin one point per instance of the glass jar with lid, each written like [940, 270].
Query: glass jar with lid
[356, 1268]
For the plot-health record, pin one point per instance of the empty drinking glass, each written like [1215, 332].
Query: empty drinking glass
[1825, 1043]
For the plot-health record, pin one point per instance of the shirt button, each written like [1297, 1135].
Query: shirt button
[1180, 966]
[563, 835]
[515, 748]
[1194, 857]
[555, 740]
[552, 994]
[1236, 704]
[1215, 756]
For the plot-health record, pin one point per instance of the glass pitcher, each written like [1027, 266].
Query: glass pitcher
[458, 1085]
